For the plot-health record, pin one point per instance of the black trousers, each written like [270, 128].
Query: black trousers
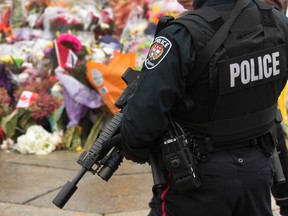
[234, 183]
[280, 191]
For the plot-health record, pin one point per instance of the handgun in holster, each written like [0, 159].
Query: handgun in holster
[270, 141]
[279, 177]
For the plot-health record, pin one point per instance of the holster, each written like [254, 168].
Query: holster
[269, 141]
[269, 144]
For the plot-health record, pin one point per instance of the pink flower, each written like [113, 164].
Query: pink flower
[44, 106]
[70, 41]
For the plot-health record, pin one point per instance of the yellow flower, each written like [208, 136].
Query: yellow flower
[79, 149]
[6, 59]
[88, 50]
[49, 45]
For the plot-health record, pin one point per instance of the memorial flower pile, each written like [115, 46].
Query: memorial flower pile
[59, 63]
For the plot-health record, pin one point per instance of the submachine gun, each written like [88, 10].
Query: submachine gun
[94, 162]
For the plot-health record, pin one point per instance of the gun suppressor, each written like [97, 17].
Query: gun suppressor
[68, 190]
[64, 195]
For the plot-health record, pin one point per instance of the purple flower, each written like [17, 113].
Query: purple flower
[4, 79]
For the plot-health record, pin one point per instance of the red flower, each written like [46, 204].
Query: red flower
[70, 41]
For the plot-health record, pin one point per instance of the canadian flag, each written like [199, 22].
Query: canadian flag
[66, 57]
[26, 99]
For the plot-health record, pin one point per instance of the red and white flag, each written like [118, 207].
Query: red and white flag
[66, 57]
[26, 99]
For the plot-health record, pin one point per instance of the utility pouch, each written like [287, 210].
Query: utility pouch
[179, 160]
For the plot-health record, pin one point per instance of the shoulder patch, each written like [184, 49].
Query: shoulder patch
[158, 50]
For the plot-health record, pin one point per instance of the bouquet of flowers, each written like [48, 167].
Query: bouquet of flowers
[34, 112]
[5, 28]
[122, 10]
[78, 98]
[63, 24]
[37, 140]
[78, 95]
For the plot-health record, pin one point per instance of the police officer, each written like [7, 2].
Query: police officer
[280, 191]
[224, 102]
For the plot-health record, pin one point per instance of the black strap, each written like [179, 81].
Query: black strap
[205, 55]
[163, 22]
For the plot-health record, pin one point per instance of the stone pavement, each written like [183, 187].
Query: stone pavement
[29, 183]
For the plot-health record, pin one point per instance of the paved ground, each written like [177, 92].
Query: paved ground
[29, 183]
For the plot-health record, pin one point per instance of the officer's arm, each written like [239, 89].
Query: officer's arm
[161, 85]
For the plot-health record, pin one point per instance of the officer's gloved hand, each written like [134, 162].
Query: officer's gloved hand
[109, 144]
[128, 153]
[135, 159]
[135, 155]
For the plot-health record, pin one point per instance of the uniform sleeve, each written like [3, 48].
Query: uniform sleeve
[161, 85]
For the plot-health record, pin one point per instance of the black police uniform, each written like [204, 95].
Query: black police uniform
[280, 191]
[234, 107]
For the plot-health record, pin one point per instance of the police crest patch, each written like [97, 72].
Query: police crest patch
[158, 50]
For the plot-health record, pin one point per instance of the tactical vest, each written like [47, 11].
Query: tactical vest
[244, 77]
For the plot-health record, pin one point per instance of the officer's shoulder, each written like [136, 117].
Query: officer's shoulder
[172, 29]
[280, 15]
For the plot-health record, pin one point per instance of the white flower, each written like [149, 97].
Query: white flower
[7, 144]
[23, 77]
[27, 65]
[36, 141]
[57, 138]
[56, 88]
[45, 148]
[59, 70]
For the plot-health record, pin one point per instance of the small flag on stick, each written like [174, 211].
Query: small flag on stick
[26, 99]
[65, 56]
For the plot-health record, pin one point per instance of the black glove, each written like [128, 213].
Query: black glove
[109, 144]
[134, 155]
[128, 154]
[135, 159]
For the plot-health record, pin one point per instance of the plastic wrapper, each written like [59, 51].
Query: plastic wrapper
[133, 30]
[106, 78]
[78, 98]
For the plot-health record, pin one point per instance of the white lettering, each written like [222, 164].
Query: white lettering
[267, 70]
[275, 63]
[260, 68]
[254, 77]
[234, 72]
[162, 42]
[247, 72]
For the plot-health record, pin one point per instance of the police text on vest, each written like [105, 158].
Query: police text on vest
[251, 69]
[245, 71]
